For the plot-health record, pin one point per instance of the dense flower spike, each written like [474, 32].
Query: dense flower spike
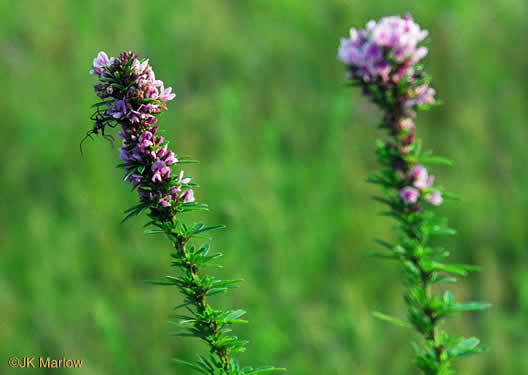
[132, 98]
[383, 59]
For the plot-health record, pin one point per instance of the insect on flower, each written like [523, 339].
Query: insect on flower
[101, 121]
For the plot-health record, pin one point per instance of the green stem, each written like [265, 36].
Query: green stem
[200, 301]
[413, 230]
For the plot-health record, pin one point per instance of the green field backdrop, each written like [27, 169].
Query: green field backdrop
[285, 148]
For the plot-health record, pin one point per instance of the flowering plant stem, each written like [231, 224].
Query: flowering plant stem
[383, 59]
[133, 98]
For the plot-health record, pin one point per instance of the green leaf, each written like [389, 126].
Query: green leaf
[135, 211]
[385, 244]
[391, 319]
[191, 365]
[465, 348]
[118, 86]
[207, 229]
[187, 162]
[443, 279]
[456, 269]
[212, 292]
[150, 100]
[182, 305]
[206, 363]
[157, 282]
[237, 321]
[234, 315]
[471, 306]
[262, 370]
[384, 201]
[106, 79]
[102, 103]
[227, 283]
[440, 230]
[153, 231]
[194, 207]
[433, 160]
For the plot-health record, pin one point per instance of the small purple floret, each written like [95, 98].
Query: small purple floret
[117, 109]
[421, 178]
[101, 62]
[435, 198]
[409, 195]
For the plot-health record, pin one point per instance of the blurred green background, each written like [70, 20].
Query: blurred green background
[285, 149]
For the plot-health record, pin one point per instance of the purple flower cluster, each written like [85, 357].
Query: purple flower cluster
[145, 87]
[420, 183]
[133, 97]
[391, 41]
[386, 51]
[383, 58]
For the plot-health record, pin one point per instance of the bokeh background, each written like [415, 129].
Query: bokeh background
[285, 149]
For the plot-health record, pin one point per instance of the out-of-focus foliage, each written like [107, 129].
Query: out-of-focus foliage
[285, 149]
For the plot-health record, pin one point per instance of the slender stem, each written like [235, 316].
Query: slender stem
[412, 229]
[200, 300]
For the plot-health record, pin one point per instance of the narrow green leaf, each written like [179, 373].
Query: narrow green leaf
[465, 348]
[234, 315]
[262, 370]
[471, 306]
[390, 319]
[434, 160]
[191, 365]
[214, 291]
[385, 244]
[207, 229]
[440, 230]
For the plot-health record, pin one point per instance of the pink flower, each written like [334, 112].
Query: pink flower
[161, 153]
[101, 62]
[182, 180]
[161, 171]
[187, 196]
[165, 201]
[420, 95]
[170, 158]
[421, 178]
[407, 124]
[435, 198]
[174, 192]
[409, 195]
[139, 67]
[166, 93]
[145, 140]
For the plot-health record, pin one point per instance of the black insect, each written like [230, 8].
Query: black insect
[100, 123]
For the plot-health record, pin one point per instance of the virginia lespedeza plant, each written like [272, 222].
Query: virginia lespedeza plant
[384, 60]
[132, 98]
